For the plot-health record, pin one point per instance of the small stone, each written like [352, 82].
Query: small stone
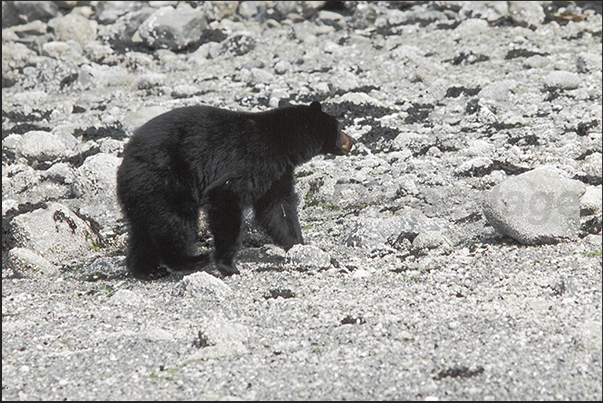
[261, 76]
[590, 202]
[536, 61]
[200, 284]
[27, 263]
[331, 18]
[591, 333]
[593, 168]
[64, 51]
[372, 232]
[563, 80]
[428, 240]
[247, 9]
[239, 45]
[308, 256]
[157, 334]
[498, 91]
[220, 338]
[282, 67]
[126, 297]
[360, 273]
[76, 27]
[527, 13]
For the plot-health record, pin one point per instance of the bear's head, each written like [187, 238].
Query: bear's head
[324, 128]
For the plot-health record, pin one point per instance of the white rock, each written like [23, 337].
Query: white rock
[527, 12]
[536, 61]
[16, 54]
[281, 67]
[18, 178]
[70, 52]
[480, 148]
[173, 28]
[360, 273]
[96, 177]
[201, 284]
[156, 333]
[564, 80]
[78, 28]
[12, 141]
[308, 256]
[247, 9]
[590, 202]
[331, 18]
[55, 233]
[540, 206]
[41, 146]
[591, 333]
[261, 76]
[221, 338]
[498, 91]
[474, 164]
[592, 166]
[126, 297]
[27, 263]
[360, 98]
[471, 27]
[428, 240]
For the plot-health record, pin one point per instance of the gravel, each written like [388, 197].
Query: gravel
[404, 289]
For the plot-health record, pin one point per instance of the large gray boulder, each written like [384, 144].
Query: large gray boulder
[173, 28]
[55, 233]
[38, 145]
[95, 188]
[537, 207]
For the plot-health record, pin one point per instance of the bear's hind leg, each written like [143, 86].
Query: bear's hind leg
[176, 239]
[142, 259]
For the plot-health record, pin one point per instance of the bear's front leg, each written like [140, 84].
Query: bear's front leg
[276, 212]
[224, 218]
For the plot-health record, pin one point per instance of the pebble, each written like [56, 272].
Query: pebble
[590, 202]
[308, 256]
[127, 298]
[201, 284]
[563, 80]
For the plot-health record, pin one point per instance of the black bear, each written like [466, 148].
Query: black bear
[222, 161]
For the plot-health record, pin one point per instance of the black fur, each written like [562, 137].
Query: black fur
[223, 161]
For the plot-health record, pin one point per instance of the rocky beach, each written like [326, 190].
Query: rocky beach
[455, 254]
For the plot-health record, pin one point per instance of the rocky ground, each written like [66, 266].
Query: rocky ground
[456, 254]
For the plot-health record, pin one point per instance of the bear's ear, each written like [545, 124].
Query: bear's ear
[316, 105]
[284, 103]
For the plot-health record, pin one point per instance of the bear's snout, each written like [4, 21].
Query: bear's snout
[345, 143]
